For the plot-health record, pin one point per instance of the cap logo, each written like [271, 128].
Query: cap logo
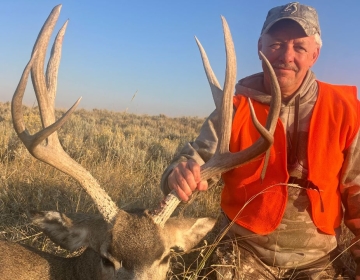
[291, 7]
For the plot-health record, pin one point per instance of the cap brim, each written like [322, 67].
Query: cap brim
[299, 21]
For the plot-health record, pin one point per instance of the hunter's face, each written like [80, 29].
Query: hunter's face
[291, 53]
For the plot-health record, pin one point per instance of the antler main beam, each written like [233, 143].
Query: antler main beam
[45, 89]
[223, 160]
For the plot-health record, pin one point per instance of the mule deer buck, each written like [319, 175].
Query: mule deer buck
[119, 245]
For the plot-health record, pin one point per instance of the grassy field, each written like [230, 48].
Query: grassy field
[126, 153]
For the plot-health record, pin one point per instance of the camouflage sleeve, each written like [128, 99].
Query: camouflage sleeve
[350, 191]
[200, 150]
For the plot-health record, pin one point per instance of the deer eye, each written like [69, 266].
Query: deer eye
[107, 262]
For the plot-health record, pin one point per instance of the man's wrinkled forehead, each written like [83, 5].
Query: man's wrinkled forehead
[305, 16]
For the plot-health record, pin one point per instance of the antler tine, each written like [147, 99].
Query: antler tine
[276, 99]
[223, 160]
[229, 83]
[47, 84]
[275, 95]
[216, 90]
[45, 88]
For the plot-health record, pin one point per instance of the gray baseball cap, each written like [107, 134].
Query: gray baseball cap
[305, 16]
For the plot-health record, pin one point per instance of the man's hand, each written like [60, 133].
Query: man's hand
[185, 178]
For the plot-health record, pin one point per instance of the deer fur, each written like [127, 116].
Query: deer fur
[134, 248]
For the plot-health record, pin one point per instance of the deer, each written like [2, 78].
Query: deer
[119, 244]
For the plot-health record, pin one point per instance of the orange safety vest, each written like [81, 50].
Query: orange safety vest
[259, 206]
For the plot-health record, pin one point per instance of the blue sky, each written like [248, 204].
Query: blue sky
[114, 48]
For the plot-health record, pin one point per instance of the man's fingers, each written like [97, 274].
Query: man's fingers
[182, 181]
[185, 178]
[194, 167]
[189, 174]
[202, 186]
[174, 185]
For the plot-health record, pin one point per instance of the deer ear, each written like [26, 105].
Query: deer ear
[187, 233]
[73, 231]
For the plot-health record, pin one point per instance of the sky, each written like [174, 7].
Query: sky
[114, 49]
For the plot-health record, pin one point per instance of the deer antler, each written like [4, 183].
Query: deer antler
[223, 160]
[45, 89]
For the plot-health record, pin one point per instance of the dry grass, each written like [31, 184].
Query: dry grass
[127, 153]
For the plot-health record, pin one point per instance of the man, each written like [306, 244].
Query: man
[289, 230]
